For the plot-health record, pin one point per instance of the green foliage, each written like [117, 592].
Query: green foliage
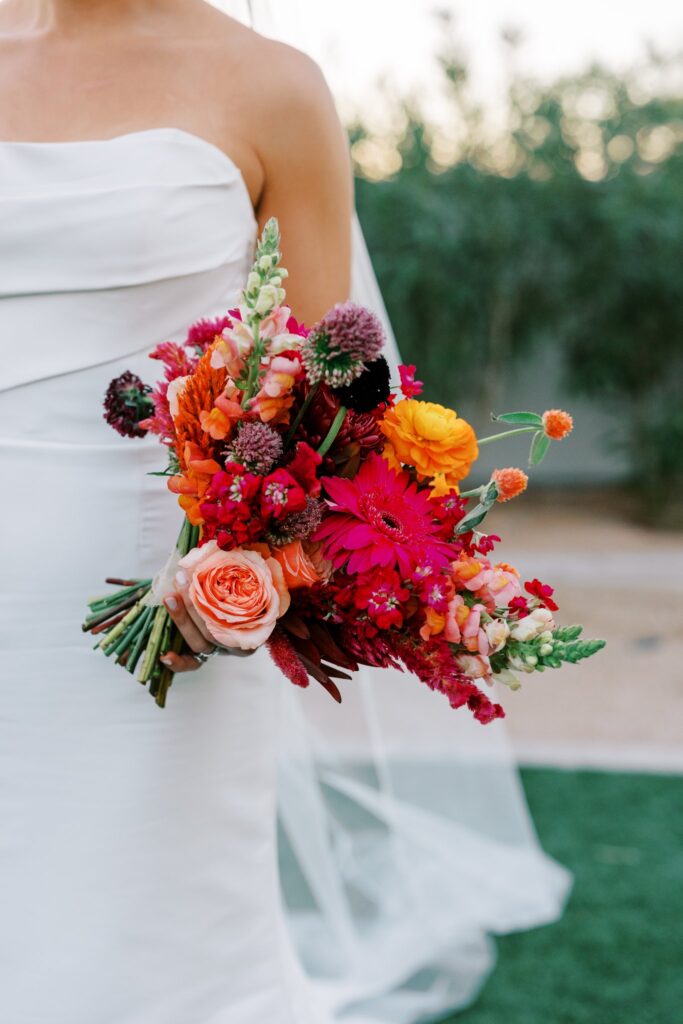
[566, 229]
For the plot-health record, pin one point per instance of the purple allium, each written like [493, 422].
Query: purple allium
[340, 344]
[126, 403]
[257, 447]
[299, 525]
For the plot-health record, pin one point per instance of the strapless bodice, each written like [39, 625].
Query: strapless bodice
[108, 247]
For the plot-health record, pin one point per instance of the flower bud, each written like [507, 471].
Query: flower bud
[265, 264]
[532, 660]
[546, 649]
[253, 282]
[268, 299]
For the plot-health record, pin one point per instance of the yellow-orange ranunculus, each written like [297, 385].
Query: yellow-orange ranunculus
[431, 438]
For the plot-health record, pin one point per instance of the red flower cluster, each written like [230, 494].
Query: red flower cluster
[239, 507]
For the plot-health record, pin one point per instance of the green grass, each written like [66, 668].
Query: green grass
[617, 955]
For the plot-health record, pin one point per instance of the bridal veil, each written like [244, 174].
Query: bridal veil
[406, 841]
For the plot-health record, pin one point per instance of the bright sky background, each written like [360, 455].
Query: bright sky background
[357, 41]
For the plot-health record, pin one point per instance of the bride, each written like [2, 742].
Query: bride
[143, 144]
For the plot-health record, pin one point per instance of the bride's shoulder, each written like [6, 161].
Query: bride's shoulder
[275, 79]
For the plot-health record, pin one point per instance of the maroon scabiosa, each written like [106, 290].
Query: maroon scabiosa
[340, 345]
[369, 390]
[127, 403]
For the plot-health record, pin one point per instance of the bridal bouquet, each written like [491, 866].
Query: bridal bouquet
[323, 515]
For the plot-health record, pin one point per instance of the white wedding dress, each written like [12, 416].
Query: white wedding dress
[139, 878]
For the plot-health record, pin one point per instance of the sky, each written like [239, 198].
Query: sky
[358, 41]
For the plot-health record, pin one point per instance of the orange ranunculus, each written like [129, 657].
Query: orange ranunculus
[234, 597]
[389, 455]
[431, 438]
[297, 567]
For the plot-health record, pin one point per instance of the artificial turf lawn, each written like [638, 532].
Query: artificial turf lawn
[617, 955]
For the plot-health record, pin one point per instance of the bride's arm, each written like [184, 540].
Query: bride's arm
[308, 183]
[308, 186]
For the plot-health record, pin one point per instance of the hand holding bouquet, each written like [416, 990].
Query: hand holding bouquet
[323, 511]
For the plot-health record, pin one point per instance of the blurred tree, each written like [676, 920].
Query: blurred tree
[566, 227]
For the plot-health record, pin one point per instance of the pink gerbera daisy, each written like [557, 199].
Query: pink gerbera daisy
[380, 518]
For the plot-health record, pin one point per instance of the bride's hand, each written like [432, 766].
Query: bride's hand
[192, 636]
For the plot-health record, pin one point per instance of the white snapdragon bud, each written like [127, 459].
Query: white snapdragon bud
[508, 679]
[276, 280]
[284, 274]
[268, 299]
[532, 625]
[253, 282]
[532, 660]
[497, 633]
[265, 264]
[546, 649]
[546, 636]
[520, 665]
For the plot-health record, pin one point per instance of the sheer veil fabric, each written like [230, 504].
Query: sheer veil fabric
[406, 841]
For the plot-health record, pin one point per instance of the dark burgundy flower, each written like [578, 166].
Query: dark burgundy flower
[126, 404]
[368, 391]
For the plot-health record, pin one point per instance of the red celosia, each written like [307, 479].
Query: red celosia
[285, 657]
[434, 665]
[543, 592]
[178, 362]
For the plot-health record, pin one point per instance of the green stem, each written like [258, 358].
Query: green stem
[333, 431]
[140, 640]
[506, 433]
[154, 644]
[476, 493]
[300, 415]
[255, 363]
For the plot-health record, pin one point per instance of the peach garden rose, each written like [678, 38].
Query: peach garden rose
[234, 597]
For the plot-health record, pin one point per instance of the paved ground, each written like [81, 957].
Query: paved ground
[623, 708]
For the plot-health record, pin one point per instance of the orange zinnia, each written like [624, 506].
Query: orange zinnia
[431, 438]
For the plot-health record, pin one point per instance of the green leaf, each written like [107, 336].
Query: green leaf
[539, 448]
[520, 419]
[477, 515]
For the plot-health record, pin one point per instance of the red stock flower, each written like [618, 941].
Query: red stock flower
[303, 467]
[543, 592]
[381, 594]
[281, 495]
[519, 605]
[410, 387]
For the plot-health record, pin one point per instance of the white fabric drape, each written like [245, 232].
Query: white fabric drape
[406, 839]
